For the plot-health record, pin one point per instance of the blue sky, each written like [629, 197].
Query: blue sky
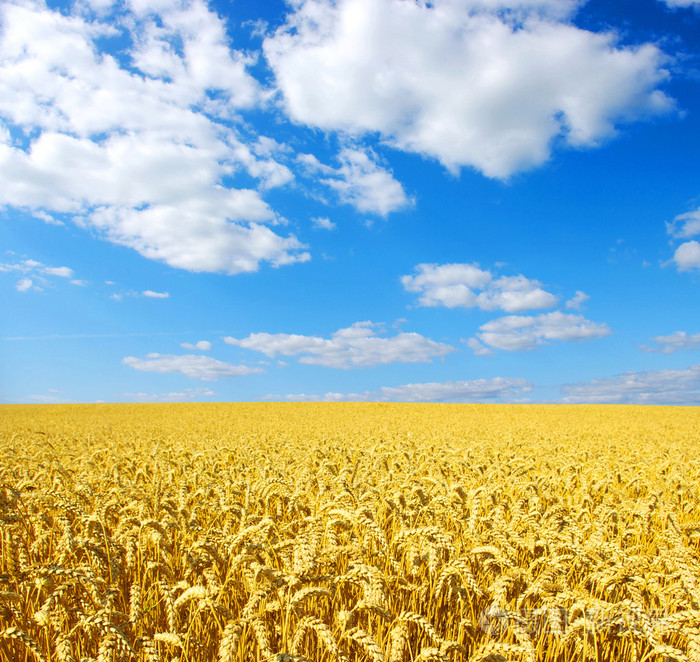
[394, 200]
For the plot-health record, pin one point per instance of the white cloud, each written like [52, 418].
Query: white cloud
[687, 256]
[682, 3]
[47, 218]
[62, 272]
[359, 181]
[32, 266]
[662, 387]
[323, 223]
[685, 226]
[24, 285]
[355, 346]
[313, 166]
[487, 84]
[674, 342]
[469, 286]
[201, 345]
[190, 365]
[52, 396]
[498, 388]
[186, 395]
[37, 274]
[522, 332]
[478, 348]
[184, 238]
[149, 294]
[576, 301]
[138, 154]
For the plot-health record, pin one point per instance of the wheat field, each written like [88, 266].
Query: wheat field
[354, 532]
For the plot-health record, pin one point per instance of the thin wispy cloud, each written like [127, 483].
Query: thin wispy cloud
[194, 366]
[201, 345]
[498, 388]
[652, 387]
[35, 275]
[674, 342]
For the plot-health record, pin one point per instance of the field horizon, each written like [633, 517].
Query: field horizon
[360, 532]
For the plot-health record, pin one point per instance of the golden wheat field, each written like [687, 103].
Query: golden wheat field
[354, 532]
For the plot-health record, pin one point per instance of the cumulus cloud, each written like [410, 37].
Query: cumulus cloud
[470, 83]
[359, 181]
[155, 295]
[687, 256]
[201, 345]
[353, 347]
[524, 333]
[469, 286]
[685, 226]
[673, 343]
[190, 365]
[660, 387]
[142, 155]
[496, 389]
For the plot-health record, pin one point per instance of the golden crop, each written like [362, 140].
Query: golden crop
[354, 532]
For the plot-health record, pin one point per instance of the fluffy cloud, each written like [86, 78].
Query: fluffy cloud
[470, 83]
[359, 181]
[523, 332]
[498, 389]
[352, 347]
[155, 295]
[687, 256]
[661, 387]
[685, 226]
[36, 274]
[674, 342]
[468, 286]
[190, 365]
[201, 345]
[138, 154]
